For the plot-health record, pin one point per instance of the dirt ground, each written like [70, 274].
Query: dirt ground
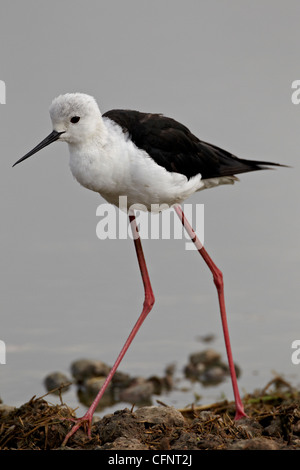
[273, 423]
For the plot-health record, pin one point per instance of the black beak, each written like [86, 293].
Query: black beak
[49, 139]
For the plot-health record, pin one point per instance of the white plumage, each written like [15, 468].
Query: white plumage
[104, 159]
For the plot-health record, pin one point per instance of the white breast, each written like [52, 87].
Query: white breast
[116, 167]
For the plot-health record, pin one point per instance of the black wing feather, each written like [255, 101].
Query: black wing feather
[171, 145]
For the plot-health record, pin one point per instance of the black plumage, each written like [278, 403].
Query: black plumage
[171, 145]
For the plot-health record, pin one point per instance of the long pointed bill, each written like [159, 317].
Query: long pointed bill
[49, 139]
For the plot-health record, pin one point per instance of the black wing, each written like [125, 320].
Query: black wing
[171, 145]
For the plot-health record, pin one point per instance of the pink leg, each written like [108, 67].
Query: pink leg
[218, 280]
[148, 304]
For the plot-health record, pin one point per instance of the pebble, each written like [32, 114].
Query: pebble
[258, 443]
[121, 423]
[207, 367]
[161, 383]
[83, 369]
[207, 357]
[121, 380]
[89, 376]
[193, 371]
[167, 415]
[56, 380]
[140, 391]
[213, 375]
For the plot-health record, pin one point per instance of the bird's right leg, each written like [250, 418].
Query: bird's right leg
[218, 280]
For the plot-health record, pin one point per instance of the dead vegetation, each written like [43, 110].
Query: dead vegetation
[273, 423]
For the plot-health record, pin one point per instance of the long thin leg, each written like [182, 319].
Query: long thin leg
[148, 304]
[218, 280]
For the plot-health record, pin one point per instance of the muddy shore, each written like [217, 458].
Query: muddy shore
[273, 423]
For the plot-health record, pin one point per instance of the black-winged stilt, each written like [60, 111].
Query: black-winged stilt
[150, 159]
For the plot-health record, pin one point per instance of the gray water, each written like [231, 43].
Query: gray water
[225, 70]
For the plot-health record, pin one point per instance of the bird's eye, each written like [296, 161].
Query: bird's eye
[75, 119]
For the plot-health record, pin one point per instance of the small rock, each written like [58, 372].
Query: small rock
[258, 443]
[194, 371]
[56, 380]
[161, 383]
[207, 367]
[122, 423]
[121, 380]
[139, 392]
[170, 369]
[207, 357]
[167, 415]
[213, 375]
[85, 368]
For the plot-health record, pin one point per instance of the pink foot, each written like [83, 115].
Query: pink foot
[85, 421]
[240, 413]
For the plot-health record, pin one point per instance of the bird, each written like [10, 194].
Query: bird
[153, 160]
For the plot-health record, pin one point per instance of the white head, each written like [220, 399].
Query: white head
[75, 117]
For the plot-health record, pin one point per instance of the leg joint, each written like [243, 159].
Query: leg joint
[218, 279]
[149, 300]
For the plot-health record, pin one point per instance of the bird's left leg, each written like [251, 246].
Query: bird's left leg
[218, 280]
[148, 304]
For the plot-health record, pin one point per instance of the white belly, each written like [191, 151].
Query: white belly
[119, 168]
